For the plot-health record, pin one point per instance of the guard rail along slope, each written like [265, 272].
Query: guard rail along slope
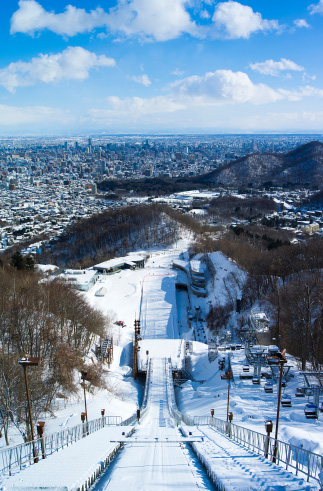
[289, 456]
[21, 456]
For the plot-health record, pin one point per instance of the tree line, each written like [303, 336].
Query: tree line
[109, 234]
[45, 319]
[288, 279]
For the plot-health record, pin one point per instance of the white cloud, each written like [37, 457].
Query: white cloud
[316, 8]
[204, 14]
[224, 86]
[271, 67]
[200, 101]
[74, 63]
[159, 104]
[301, 23]
[32, 17]
[149, 19]
[15, 115]
[134, 109]
[234, 20]
[197, 95]
[301, 92]
[295, 117]
[142, 79]
[178, 72]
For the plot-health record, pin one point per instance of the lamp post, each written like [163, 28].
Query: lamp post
[30, 362]
[282, 361]
[40, 432]
[227, 376]
[269, 429]
[136, 349]
[85, 376]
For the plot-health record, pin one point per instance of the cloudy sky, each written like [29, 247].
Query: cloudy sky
[161, 66]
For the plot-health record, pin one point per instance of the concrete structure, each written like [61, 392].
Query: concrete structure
[114, 265]
[82, 280]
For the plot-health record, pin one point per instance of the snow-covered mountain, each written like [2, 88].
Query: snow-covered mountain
[304, 165]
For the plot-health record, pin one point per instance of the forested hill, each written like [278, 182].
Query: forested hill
[110, 234]
[150, 186]
[303, 166]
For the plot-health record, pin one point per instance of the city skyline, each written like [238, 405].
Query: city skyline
[151, 66]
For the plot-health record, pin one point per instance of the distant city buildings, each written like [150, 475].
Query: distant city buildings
[47, 183]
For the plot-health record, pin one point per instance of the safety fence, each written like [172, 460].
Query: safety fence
[289, 456]
[23, 455]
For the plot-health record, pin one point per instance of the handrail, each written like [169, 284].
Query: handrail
[25, 454]
[174, 411]
[299, 459]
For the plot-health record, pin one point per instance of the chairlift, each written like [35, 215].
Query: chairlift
[268, 387]
[300, 392]
[286, 400]
[311, 410]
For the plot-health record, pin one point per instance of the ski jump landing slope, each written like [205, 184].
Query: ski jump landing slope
[155, 457]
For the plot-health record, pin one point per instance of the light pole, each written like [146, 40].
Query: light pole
[136, 349]
[30, 362]
[85, 376]
[282, 361]
[227, 376]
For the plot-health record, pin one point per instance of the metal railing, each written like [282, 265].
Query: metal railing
[174, 411]
[26, 454]
[298, 459]
[146, 400]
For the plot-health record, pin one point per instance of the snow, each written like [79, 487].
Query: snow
[237, 468]
[45, 268]
[250, 404]
[71, 467]
[224, 268]
[147, 466]
[155, 465]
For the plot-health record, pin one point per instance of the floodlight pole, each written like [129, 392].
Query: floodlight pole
[29, 403]
[136, 349]
[281, 362]
[85, 376]
[85, 400]
[32, 361]
[228, 374]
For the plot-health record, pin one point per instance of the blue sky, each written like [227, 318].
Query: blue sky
[161, 66]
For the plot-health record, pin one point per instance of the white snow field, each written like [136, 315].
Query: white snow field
[156, 456]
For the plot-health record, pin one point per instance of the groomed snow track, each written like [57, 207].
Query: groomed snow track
[155, 457]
